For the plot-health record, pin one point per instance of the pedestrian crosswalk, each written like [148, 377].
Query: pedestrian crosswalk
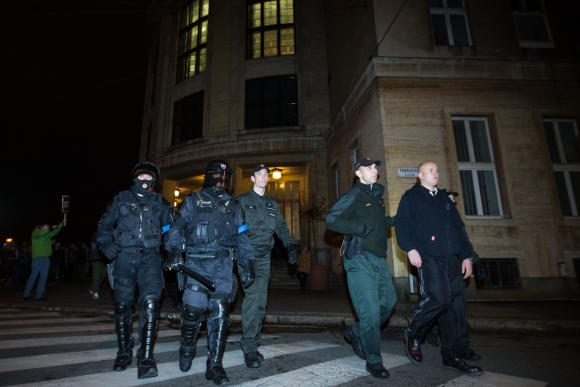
[47, 349]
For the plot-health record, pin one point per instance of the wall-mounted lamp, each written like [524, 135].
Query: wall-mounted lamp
[176, 192]
[276, 173]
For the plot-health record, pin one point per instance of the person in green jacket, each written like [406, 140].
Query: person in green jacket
[359, 214]
[41, 251]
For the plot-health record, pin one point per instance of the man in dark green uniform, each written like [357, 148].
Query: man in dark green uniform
[262, 215]
[359, 214]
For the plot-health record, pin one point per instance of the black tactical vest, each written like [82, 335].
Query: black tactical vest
[140, 224]
[213, 227]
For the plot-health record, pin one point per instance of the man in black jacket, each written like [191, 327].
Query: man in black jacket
[429, 229]
[360, 214]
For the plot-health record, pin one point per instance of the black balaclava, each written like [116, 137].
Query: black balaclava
[149, 184]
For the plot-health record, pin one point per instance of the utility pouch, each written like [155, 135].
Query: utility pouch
[350, 247]
[111, 275]
[181, 280]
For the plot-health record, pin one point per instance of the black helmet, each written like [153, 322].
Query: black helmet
[218, 174]
[144, 186]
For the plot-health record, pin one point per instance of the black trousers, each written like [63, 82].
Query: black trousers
[443, 300]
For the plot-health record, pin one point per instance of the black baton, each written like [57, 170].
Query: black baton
[207, 283]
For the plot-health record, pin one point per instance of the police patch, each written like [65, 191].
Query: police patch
[223, 166]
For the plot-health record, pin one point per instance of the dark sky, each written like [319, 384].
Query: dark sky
[72, 92]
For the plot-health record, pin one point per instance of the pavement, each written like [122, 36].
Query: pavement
[316, 308]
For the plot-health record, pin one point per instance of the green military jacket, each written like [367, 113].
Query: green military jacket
[262, 215]
[359, 207]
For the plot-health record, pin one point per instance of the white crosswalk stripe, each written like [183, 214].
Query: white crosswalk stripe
[322, 362]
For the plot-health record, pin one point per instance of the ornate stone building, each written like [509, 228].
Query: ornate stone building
[487, 90]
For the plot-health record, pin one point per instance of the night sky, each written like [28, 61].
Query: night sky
[72, 95]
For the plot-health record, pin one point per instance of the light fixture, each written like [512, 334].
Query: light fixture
[176, 192]
[8, 240]
[276, 173]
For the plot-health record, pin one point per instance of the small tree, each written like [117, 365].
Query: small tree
[315, 210]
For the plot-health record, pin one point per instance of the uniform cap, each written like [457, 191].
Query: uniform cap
[366, 162]
[259, 167]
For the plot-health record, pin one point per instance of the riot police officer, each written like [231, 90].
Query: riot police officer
[130, 234]
[210, 229]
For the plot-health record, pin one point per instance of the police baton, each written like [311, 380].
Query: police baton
[207, 283]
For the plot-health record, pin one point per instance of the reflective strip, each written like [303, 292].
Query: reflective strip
[242, 228]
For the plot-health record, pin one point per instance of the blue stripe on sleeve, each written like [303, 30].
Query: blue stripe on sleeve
[242, 228]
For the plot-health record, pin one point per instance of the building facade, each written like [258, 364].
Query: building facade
[487, 90]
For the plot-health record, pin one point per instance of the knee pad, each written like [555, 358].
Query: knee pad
[122, 308]
[150, 307]
[192, 315]
[220, 309]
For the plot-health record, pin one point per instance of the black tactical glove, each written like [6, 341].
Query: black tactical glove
[292, 256]
[174, 258]
[478, 271]
[366, 231]
[248, 275]
[111, 250]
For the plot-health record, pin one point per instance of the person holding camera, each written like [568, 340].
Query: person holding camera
[359, 214]
[41, 251]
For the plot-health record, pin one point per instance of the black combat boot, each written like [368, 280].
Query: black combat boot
[191, 320]
[217, 343]
[123, 329]
[147, 367]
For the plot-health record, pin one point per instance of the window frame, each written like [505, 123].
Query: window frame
[565, 167]
[280, 105]
[475, 166]
[543, 14]
[262, 29]
[200, 96]
[499, 263]
[181, 74]
[447, 11]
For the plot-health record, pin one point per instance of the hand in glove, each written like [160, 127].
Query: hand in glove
[366, 231]
[175, 258]
[292, 256]
[111, 250]
[248, 275]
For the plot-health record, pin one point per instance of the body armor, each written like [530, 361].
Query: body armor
[140, 224]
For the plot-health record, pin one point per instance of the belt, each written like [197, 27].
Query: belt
[217, 254]
[213, 296]
[138, 250]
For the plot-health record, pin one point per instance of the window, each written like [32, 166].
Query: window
[188, 118]
[271, 102]
[270, 28]
[287, 193]
[501, 273]
[476, 167]
[449, 21]
[192, 49]
[334, 179]
[532, 24]
[562, 137]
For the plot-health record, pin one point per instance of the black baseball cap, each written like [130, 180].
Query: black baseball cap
[259, 167]
[366, 162]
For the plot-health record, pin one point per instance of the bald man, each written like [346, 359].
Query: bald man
[429, 229]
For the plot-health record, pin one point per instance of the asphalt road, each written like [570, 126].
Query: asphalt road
[53, 349]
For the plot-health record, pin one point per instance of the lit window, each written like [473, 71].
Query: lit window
[562, 137]
[188, 118]
[287, 194]
[270, 28]
[192, 49]
[449, 21]
[532, 24]
[272, 102]
[476, 167]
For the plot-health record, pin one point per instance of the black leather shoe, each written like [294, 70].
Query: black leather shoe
[252, 360]
[122, 361]
[216, 373]
[413, 350]
[459, 365]
[355, 342]
[147, 368]
[471, 355]
[260, 356]
[378, 370]
[186, 355]
[433, 337]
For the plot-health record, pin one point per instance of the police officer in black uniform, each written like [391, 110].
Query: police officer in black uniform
[130, 234]
[209, 227]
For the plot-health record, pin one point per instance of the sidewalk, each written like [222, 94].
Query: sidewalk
[332, 307]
